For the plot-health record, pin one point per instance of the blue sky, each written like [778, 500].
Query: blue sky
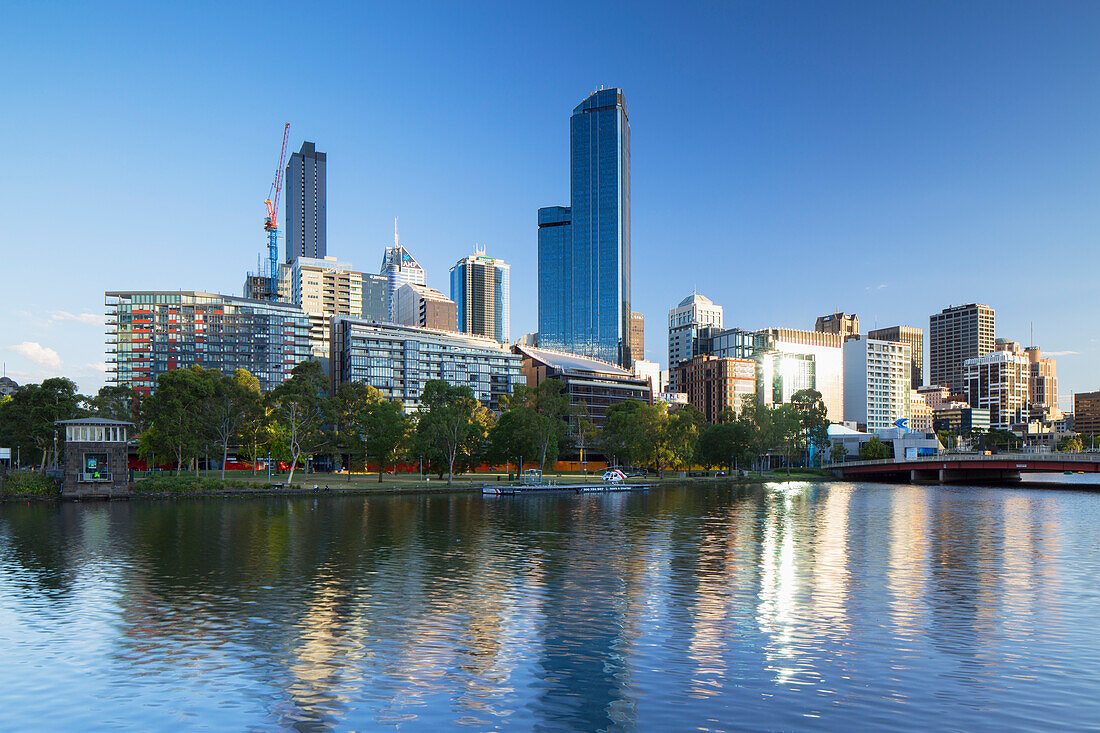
[788, 159]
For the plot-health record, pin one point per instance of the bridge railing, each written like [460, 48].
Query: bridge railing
[940, 458]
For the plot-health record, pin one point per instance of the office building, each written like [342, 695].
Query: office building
[305, 222]
[651, 372]
[715, 384]
[959, 418]
[399, 268]
[584, 291]
[399, 360]
[909, 335]
[934, 395]
[999, 382]
[1043, 387]
[480, 290]
[1086, 413]
[598, 384]
[956, 334]
[920, 413]
[324, 288]
[694, 313]
[637, 337]
[152, 332]
[423, 307]
[876, 382]
[844, 324]
[257, 285]
[787, 370]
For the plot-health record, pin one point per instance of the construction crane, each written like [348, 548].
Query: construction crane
[271, 224]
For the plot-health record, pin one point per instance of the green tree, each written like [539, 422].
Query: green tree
[583, 429]
[118, 403]
[451, 423]
[681, 435]
[813, 425]
[540, 425]
[27, 419]
[726, 444]
[1071, 444]
[515, 435]
[620, 437]
[233, 401]
[387, 429]
[303, 409]
[874, 449]
[353, 400]
[175, 413]
[838, 452]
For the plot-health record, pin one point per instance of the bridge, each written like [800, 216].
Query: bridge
[962, 467]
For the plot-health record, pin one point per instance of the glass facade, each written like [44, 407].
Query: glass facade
[151, 332]
[399, 268]
[398, 360]
[587, 287]
[481, 292]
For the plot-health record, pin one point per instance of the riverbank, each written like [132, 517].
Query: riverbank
[201, 487]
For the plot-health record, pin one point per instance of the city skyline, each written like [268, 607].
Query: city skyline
[805, 171]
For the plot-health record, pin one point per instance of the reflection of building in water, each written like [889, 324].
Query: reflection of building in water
[1030, 544]
[907, 578]
[831, 573]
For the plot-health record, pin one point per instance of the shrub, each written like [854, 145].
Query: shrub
[187, 485]
[30, 483]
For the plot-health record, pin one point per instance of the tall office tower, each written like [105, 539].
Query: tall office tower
[1044, 380]
[685, 321]
[305, 204]
[480, 290]
[909, 335]
[324, 288]
[423, 307]
[1086, 415]
[150, 332]
[637, 337]
[999, 382]
[956, 334]
[876, 382]
[846, 324]
[399, 268]
[586, 288]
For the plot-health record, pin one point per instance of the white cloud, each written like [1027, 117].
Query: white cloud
[41, 355]
[93, 319]
[1060, 353]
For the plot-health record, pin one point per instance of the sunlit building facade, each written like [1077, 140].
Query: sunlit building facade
[481, 291]
[152, 332]
[956, 334]
[999, 382]
[399, 268]
[876, 382]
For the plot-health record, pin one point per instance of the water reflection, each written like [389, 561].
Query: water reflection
[782, 605]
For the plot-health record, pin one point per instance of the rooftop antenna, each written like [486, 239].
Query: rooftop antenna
[1033, 333]
[395, 232]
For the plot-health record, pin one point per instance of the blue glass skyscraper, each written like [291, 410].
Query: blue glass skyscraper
[584, 250]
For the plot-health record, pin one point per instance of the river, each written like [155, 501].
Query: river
[811, 606]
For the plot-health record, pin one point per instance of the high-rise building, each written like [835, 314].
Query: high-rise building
[399, 268]
[423, 307]
[305, 221]
[876, 382]
[637, 337]
[257, 285]
[999, 382]
[788, 371]
[845, 324]
[399, 360]
[935, 395]
[909, 335]
[324, 288]
[956, 334]
[695, 313]
[715, 384]
[1086, 413]
[1044, 380]
[481, 291]
[150, 332]
[584, 294]
[920, 413]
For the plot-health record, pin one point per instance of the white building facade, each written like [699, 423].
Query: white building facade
[876, 382]
[684, 321]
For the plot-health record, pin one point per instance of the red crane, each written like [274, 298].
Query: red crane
[271, 224]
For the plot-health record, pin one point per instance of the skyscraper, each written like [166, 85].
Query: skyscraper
[480, 290]
[695, 312]
[909, 335]
[956, 334]
[584, 295]
[305, 204]
[400, 268]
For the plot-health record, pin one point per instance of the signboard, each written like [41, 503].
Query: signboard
[5, 454]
